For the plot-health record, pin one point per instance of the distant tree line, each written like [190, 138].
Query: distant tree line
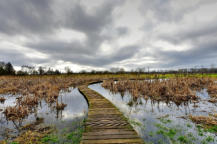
[8, 69]
[29, 70]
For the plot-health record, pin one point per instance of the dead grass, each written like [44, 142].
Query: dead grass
[33, 137]
[16, 112]
[34, 89]
[205, 120]
[60, 106]
[177, 90]
[212, 89]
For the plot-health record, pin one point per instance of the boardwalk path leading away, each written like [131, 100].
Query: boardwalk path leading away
[105, 123]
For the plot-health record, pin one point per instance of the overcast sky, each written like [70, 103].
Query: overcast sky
[100, 34]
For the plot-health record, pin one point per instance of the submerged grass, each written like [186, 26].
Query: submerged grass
[178, 90]
[50, 136]
[35, 88]
[209, 123]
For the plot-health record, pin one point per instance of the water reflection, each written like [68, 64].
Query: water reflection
[150, 113]
[75, 110]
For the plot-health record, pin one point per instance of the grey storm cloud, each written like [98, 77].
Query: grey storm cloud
[201, 36]
[17, 57]
[80, 54]
[202, 54]
[109, 39]
[122, 31]
[26, 16]
[192, 34]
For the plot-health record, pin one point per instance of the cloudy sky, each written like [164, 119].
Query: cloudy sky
[101, 34]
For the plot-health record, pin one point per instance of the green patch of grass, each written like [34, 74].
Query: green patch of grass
[189, 125]
[66, 135]
[14, 143]
[190, 135]
[160, 126]
[209, 139]
[50, 138]
[167, 132]
[199, 130]
[133, 122]
[165, 121]
[171, 133]
[161, 132]
[212, 129]
[75, 136]
[151, 134]
[183, 139]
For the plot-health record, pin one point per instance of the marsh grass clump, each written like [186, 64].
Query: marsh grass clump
[178, 89]
[209, 123]
[16, 112]
[32, 137]
[60, 106]
[212, 90]
[41, 86]
[33, 89]
[29, 100]
[33, 133]
[206, 120]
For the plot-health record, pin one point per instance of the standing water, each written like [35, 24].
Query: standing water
[160, 122]
[62, 120]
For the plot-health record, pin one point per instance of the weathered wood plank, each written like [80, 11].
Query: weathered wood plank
[105, 123]
[113, 141]
[107, 137]
[110, 132]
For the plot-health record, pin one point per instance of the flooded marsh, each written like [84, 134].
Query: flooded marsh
[44, 116]
[50, 109]
[162, 121]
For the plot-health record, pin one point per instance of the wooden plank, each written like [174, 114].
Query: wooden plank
[113, 141]
[106, 137]
[110, 132]
[105, 123]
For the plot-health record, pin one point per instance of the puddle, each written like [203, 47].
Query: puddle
[160, 122]
[74, 112]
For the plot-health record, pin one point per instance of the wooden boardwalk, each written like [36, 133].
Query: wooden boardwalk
[105, 123]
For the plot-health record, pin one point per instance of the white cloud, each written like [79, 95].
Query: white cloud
[101, 34]
[69, 35]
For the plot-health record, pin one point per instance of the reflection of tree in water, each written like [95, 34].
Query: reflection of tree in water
[59, 108]
[122, 94]
[59, 114]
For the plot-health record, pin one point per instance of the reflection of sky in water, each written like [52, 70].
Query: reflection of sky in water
[10, 101]
[75, 110]
[148, 112]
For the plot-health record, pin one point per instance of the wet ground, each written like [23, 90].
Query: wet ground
[160, 122]
[62, 120]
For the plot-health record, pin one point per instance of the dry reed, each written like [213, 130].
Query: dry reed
[177, 90]
[205, 120]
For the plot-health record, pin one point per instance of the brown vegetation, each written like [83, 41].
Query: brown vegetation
[2, 99]
[33, 89]
[212, 89]
[177, 90]
[60, 106]
[205, 120]
[16, 112]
